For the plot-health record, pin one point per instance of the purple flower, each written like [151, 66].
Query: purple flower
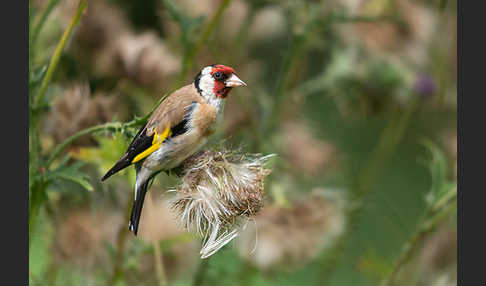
[424, 85]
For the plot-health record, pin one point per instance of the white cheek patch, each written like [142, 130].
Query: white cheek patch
[206, 84]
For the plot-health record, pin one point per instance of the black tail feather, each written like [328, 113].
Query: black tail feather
[137, 208]
[124, 162]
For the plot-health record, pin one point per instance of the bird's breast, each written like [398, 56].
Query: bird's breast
[204, 119]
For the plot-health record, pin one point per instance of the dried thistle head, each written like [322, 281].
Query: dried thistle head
[288, 236]
[108, 45]
[76, 108]
[77, 242]
[303, 150]
[218, 190]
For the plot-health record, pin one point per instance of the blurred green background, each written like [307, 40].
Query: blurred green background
[357, 98]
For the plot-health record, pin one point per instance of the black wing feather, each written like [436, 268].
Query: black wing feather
[182, 127]
[140, 143]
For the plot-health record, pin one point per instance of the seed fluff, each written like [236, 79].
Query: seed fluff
[220, 190]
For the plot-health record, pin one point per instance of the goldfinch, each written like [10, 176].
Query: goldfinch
[177, 129]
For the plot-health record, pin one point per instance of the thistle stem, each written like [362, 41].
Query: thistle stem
[110, 126]
[208, 30]
[57, 53]
[104, 127]
[238, 47]
[120, 250]
[434, 216]
[159, 264]
[40, 23]
[389, 140]
[201, 272]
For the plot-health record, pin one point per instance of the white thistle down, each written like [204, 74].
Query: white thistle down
[218, 190]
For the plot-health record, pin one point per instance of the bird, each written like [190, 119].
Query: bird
[176, 129]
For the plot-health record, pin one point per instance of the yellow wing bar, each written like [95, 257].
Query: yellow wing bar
[156, 143]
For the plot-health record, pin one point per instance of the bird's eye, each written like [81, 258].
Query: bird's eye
[218, 75]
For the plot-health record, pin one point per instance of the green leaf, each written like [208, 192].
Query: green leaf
[37, 75]
[63, 162]
[70, 173]
[75, 178]
[81, 180]
[437, 164]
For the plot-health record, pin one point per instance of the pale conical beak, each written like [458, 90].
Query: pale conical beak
[234, 81]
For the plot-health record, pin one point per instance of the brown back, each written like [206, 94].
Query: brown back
[173, 109]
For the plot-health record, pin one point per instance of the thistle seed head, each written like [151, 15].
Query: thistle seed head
[219, 190]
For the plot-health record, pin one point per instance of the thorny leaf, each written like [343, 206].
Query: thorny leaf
[106, 154]
[75, 177]
[70, 173]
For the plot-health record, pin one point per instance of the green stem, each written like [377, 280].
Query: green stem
[120, 249]
[440, 65]
[201, 272]
[57, 53]
[297, 47]
[239, 47]
[446, 199]
[389, 140]
[159, 264]
[104, 127]
[35, 202]
[30, 43]
[208, 30]
[37, 187]
[40, 23]
[117, 266]
[52, 274]
[296, 44]
[364, 19]
[280, 95]
[110, 126]
[432, 219]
